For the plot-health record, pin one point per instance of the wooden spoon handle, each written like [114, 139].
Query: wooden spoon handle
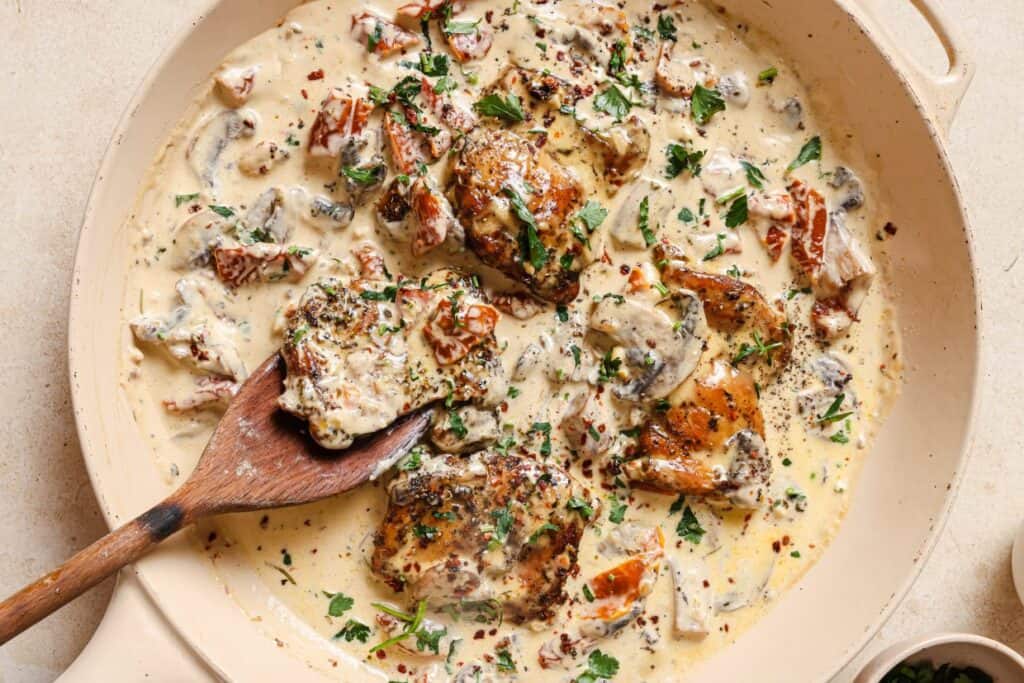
[88, 567]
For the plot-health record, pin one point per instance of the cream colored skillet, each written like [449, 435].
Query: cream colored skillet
[908, 481]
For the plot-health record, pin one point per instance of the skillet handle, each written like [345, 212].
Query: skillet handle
[88, 567]
[940, 94]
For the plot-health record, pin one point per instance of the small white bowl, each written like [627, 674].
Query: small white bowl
[959, 649]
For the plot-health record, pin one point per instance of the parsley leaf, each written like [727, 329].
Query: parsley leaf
[581, 506]
[502, 526]
[460, 27]
[618, 510]
[666, 27]
[180, 199]
[545, 429]
[531, 248]
[457, 426]
[504, 662]
[599, 665]
[689, 528]
[354, 630]
[609, 368]
[412, 462]
[592, 214]
[374, 38]
[718, 250]
[613, 102]
[221, 210]
[508, 108]
[754, 175]
[768, 75]
[738, 212]
[364, 176]
[705, 103]
[545, 527]
[680, 159]
[340, 603]
[426, 532]
[811, 151]
[433, 64]
[388, 294]
[644, 223]
[430, 640]
[686, 216]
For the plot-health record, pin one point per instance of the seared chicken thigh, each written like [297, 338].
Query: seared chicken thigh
[516, 203]
[362, 353]
[481, 528]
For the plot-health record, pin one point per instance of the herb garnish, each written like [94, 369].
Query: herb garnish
[364, 176]
[811, 151]
[581, 506]
[613, 102]
[599, 666]
[532, 250]
[689, 528]
[508, 108]
[180, 199]
[832, 414]
[680, 159]
[354, 630]
[718, 250]
[754, 175]
[339, 603]
[666, 27]
[705, 103]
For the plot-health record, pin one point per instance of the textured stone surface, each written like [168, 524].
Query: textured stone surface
[86, 58]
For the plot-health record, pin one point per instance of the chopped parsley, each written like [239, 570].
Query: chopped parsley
[562, 313]
[738, 212]
[689, 528]
[843, 435]
[502, 526]
[768, 76]
[339, 604]
[599, 666]
[754, 175]
[686, 216]
[666, 27]
[508, 108]
[354, 630]
[388, 294]
[581, 506]
[545, 429]
[430, 640]
[681, 159]
[221, 210]
[618, 510]
[718, 250]
[811, 151]
[592, 214]
[457, 426]
[609, 368]
[364, 176]
[613, 102]
[705, 103]
[644, 223]
[425, 532]
[453, 28]
[513, 392]
[504, 661]
[299, 334]
[587, 593]
[412, 462]
[180, 199]
[444, 84]
[577, 352]
[433, 64]
[544, 528]
[373, 40]
[532, 250]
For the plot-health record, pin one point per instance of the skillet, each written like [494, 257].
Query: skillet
[909, 478]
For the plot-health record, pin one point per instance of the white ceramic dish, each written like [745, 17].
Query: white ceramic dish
[959, 649]
[908, 481]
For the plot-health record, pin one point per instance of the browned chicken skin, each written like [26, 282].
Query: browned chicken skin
[740, 311]
[481, 528]
[673, 446]
[494, 167]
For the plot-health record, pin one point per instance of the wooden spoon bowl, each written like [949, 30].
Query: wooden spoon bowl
[258, 457]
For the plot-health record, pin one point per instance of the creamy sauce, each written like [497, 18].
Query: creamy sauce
[250, 132]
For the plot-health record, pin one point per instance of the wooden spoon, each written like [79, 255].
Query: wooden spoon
[258, 457]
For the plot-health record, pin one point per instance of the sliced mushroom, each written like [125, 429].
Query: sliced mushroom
[625, 230]
[328, 215]
[268, 216]
[735, 89]
[745, 484]
[792, 112]
[852, 196]
[662, 344]
[623, 149]
[262, 159]
[208, 392]
[825, 413]
[192, 241]
[213, 136]
[235, 85]
[587, 421]
[194, 332]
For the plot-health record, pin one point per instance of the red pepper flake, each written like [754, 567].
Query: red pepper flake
[402, 669]
[317, 75]
[305, 95]
[381, 654]
[776, 546]
[785, 540]
[479, 635]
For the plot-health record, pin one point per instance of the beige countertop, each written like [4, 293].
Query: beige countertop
[69, 68]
